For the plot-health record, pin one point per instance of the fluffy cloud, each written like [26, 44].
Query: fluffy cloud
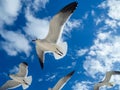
[113, 8]
[14, 70]
[35, 27]
[13, 43]
[71, 24]
[37, 4]
[9, 9]
[81, 52]
[84, 85]
[104, 54]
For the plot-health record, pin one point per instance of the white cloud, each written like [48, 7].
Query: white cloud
[14, 43]
[114, 8]
[111, 23]
[40, 80]
[9, 10]
[50, 78]
[37, 4]
[81, 52]
[14, 70]
[104, 54]
[71, 24]
[84, 85]
[35, 27]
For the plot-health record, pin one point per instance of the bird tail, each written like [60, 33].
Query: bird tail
[28, 81]
[61, 50]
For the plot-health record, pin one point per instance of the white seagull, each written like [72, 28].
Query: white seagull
[50, 43]
[62, 82]
[106, 80]
[18, 79]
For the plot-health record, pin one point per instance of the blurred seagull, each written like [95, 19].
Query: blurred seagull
[50, 43]
[18, 79]
[106, 80]
[62, 82]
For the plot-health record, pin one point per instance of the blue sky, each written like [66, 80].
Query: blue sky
[92, 34]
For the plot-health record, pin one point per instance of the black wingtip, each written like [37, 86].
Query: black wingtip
[41, 64]
[25, 63]
[71, 73]
[70, 7]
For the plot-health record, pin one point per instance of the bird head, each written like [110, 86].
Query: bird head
[34, 40]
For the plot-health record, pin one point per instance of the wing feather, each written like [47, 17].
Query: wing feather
[10, 84]
[62, 81]
[58, 21]
[40, 55]
[23, 69]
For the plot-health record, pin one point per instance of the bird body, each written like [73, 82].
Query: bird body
[19, 78]
[50, 43]
[98, 85]
[106, 79]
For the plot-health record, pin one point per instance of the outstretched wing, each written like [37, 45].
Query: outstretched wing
[23, 69]
[62, 81]
[10, 84]
[58, 21]
[40, 54]
[109, 74]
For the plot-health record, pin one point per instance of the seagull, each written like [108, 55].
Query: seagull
[62, 81]
[50, 43]
[106, 80]
[19, 78]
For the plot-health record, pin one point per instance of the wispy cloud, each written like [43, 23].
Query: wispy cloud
[38, 4]
[105, 52]
[84, 85]
[14, 70]
[71, 25]
[51, 77]
[35, 27]
[81, 52]
[9, 10]
[13, 43]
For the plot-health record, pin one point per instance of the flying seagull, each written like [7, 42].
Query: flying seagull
[106, 80]
[19, 78]
[62, 82]
[50, 43]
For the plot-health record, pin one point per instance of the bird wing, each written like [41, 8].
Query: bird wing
[62, 81]
[96, 86]
[115, 72]
[58, 21]
[109, 74]
[10, 84]
[40, 55]
[23, 69]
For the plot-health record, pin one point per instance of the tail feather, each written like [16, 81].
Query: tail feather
[28, 81]
[62, 47]
[24, 86]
